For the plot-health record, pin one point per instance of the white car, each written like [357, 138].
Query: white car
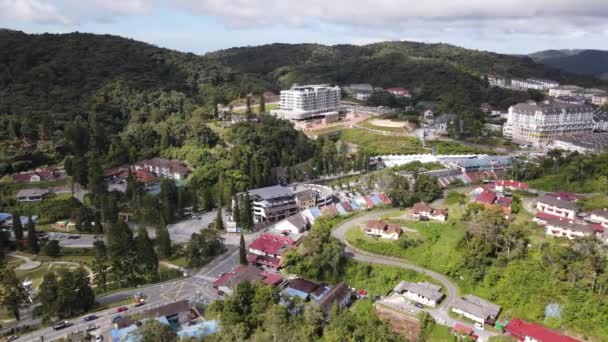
[98, 338]
[479, 326]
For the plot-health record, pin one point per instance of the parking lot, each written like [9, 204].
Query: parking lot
[180, 232]
[74, 240]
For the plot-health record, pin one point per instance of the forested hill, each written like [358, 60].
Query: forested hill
[584, 62]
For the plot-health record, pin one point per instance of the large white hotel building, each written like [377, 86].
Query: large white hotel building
[308, 101]
[540, 123]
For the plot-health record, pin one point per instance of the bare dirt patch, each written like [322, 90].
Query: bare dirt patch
[388, 123]
[403, 324]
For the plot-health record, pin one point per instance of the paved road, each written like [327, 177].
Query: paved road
[441, 313]
[196, 287]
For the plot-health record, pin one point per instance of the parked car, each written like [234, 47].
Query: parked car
[92, 326]
[479, 326]
[140, 303]
[98, 338]
[418, 305]
[122, 309]
[116, 318]
[12, 338]
[90, 318]
[62, 325]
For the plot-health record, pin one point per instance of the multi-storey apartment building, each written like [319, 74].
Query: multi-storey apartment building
[566, 90]
[600, 99]
[304, 102]
[274, 203]
[540, 123]
[533, 83]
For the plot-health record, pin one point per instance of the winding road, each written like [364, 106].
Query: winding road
[440, 313]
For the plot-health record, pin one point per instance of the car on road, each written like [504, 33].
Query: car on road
[418, 305]
[92, 326]
[62, 325]
[138, 304]
[116, 318]
[98, 338]
[122, 309]
[12, 338]
[479, 326]
[90, 318]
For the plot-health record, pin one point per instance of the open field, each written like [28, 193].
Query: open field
[377, 143]
[388, 123]
[401, 323]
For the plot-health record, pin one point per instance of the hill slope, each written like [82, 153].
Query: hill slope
[582, 62]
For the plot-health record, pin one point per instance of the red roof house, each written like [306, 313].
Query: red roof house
[511, 185]
[268, 250]
[399, 92]
[486, 197]
[462, 329]
[369, 201]
[384, 198]
[144, 176]
[566, 196]
[525, 331]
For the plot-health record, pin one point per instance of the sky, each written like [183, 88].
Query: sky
[199, 26]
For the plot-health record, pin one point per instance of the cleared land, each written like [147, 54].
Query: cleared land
[388, 123]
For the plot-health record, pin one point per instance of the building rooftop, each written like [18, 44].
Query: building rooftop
[337, 293]
[550, 108]
[596, 140]
[424, 289]
[477, 306]
[32, 192]
[522, 329]
[169, 309]
[577, 227]
[271, 244]
[303, 285]
[557, 202]
[271, 192]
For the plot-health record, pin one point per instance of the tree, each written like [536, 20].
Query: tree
[101, 264]
[47, 295]
[154, 331]
[246, 212]
[219, 221]
[52, 248]
[12, 293]
[248, 105]
[203, 246]
[147, 259]
[262, 104]
[17, 227]
[163, 240]
[236, 212]
[121, 252]
[242, 251]
[168, 200]
[33, 245]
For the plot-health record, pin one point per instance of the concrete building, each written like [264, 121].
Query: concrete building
[600, 99]
[168, 168]
[583, 142]
[566, 90]
[309, 101]
[599, 216]
[540, 123]
[557, 207]
[532, 332]
[277, 202]
[32, 195]
[360, 91]
[533, 83]
[476, 309]
[600, 120]
[383, 230]
[423, 210]
[571, 230]
[424, 293]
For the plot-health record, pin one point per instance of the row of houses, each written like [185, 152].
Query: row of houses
[150, 170]
[39, 175]
[363, 91]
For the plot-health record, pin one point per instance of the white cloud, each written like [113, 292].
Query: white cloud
[31, 10]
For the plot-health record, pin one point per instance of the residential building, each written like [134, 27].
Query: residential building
[308, 101]
[599, 216]
[293, 227]
[503, 185]
[32, 195]
[277, 202]
[423, 292]
[305, 289]
[268, 250]
[600, 120]
[540, 123]
[444, 121]
[570, 229]
[40, 175]
[477, 163]
[496, 81]
[533, 83]
[168, 168]
[600, 99]
[566, 90]
[360, 91]
[557, 207]
[532, 332]
[226, 284]
[583, 142]
[566, 196]
[399, 92]
[580, 100]
[424, 210]
[382, 229]
[339, 295]
[589, 93]
[476, 309]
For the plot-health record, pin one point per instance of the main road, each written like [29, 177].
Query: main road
[441, 313]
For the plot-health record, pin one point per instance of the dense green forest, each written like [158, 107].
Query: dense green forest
[584, 62]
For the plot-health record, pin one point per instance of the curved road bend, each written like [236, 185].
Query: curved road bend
[440, 313]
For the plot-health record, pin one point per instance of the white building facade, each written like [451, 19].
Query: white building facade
[533, 83]
[540, 123]
[304, 102]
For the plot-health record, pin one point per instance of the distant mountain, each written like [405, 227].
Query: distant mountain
[582, 62]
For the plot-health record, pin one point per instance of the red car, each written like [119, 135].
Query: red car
[122, 309]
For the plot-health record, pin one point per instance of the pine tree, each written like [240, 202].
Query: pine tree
[100, 265]
[17, 226]
[47, 294]
[262, 104]
[242, 251]
[33, 245]
[194, 196]
[163, 241]
[12, 292]
[219, 221]
[248, 105]
[147, 259]
[236, 211]
[247, 212]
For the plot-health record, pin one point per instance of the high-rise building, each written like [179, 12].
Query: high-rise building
[540, 123]
[304, 102]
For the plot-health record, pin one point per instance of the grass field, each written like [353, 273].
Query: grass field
[378, 279]
[256, 108]
[440, 333]
[399, 130]
[382, 144]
